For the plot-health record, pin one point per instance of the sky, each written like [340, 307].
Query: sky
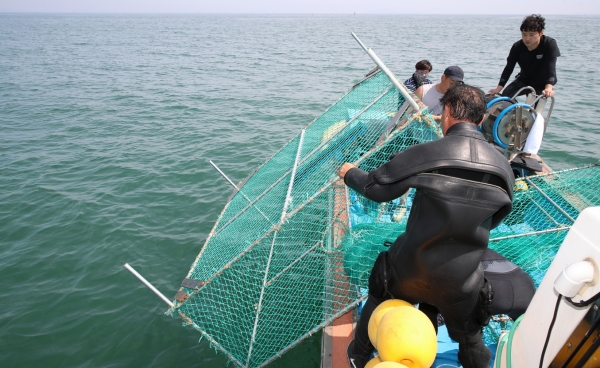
[545, 7]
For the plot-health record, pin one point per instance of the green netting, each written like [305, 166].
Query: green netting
[277, 268]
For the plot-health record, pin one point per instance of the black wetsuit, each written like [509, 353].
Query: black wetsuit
[463, 189]
[513, 287]
[538, 67]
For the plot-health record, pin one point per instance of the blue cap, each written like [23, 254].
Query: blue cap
[455, 73]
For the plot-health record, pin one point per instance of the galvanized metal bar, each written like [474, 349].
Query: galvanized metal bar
[283, 211]
[260, 299]
[550, 200]
[389, 74]
[522, 89]
[223, 174]
[325, 142]
[532, 233]
[543, 210]
[288, 196]
[239, 191]
[401, 111]
[148, 284]
[567, 170]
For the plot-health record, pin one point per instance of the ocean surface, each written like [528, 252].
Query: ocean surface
[107, 123]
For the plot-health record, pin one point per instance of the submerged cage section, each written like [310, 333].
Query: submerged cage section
[274, 269]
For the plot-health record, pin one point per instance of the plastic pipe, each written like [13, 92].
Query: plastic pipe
[573, 277]
[497, 99]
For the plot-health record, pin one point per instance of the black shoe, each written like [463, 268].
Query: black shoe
[357, 360]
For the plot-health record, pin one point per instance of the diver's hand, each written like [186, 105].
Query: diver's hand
[344, 169]
[437, 117]
[548, 92]
[495, 90]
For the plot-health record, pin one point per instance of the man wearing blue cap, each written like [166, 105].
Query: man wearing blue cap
[431, 94]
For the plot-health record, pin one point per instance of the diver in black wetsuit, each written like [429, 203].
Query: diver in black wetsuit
[536, 55]
[463, 189]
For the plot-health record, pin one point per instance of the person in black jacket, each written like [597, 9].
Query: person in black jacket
[464, 188]
[536, 55]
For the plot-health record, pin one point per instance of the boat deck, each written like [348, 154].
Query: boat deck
[336, 337]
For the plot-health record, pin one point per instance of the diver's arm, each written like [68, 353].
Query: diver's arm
[365, 183]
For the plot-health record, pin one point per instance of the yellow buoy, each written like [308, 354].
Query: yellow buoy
[332, 130]
[405, 335]
[389, 365]
[373, 362]
[521, 185]
[379, 312]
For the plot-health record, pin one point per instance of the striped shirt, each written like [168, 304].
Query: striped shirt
[412, 85]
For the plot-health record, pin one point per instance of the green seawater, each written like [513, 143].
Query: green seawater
[107, 123]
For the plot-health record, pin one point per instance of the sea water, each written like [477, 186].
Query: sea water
[107, 123]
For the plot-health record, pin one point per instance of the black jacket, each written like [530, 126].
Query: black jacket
[538, 67]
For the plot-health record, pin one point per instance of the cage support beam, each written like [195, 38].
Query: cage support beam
[149, 285]
[236, 188]
[389, 73]
[550, 200]
[286, 203]
[288, 196]
[547, 231]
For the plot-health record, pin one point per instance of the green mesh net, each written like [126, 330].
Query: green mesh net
[293, 247]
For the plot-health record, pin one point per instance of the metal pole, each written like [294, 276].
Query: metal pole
[288, 196]
[238, 189]
[150, 286]
[532, 233]
[285, 206]
[388, 72]
[550, 200]
[223, 174]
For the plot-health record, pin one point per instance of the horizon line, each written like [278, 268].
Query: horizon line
[276, 13]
